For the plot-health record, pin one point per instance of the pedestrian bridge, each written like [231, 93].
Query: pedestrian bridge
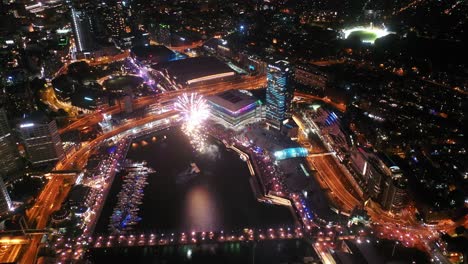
[191, 238]
[153, 239]
[291, 153]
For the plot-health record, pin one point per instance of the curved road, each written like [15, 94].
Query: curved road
[56, 190]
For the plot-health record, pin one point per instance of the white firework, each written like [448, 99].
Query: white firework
[194, 110]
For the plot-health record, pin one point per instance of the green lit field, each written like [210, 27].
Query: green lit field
[366, 34]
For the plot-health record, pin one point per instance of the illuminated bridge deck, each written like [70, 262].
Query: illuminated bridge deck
[148, 239]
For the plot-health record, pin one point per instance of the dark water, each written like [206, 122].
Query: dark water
[218, 198]
[271, 252]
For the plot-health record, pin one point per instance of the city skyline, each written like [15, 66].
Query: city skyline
[233, 131]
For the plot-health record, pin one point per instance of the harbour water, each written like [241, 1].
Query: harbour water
[194, 192]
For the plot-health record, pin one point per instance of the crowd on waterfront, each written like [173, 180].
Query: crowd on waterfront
[270, 175]
[100, 183]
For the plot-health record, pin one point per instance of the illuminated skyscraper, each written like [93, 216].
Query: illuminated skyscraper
[41, 139]
[5, 201]
[164, 34]
[114, 18]
[82, 30]
[279, 92]
[9, 158]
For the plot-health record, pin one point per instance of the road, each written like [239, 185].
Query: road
[246, 83]
[55, 191]
[402, 227]
[340, 106]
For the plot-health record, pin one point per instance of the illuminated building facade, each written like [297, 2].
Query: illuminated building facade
[114, 18]
[394, 194]
[310, 76]
[9, 158]
[42, 140]
[279, 93]
[394, 187]
[164, 34]
[234, 108]
[5, 201]
[83, 22]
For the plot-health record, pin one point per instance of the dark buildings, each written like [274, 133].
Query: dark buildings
[310, 76]
[152, 54]
[279, 92]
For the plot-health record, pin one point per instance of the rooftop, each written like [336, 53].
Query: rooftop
[232, 100]
[78, 193]
[280, 65]
[155, 53]
[194, 68]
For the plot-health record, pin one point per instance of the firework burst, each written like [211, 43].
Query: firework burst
[195, 111]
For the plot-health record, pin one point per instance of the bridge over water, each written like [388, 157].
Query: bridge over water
[187, 238]
[154, 239]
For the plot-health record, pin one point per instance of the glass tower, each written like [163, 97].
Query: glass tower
[5, 201]
[9, 156]
[279, 92]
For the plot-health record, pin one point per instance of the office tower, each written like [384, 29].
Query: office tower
[114, 18]
[41, 139]
[279, 93]
[82, 25]
[164, 34]
[394, 194]
[9, 158]
[5, 201]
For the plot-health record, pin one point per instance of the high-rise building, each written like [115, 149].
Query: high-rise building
[310, 76]
[5, 201]
[114, 18]
[82, 25]
[279, 92]
[164, 34]
[394, 189]
[41, 139]
[394, 194]
[9, 158]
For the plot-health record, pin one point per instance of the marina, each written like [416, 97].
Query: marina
[190, 191]
[125, 214]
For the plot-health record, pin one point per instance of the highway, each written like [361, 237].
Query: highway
[56, 190]
[402, 227]
[246, 83]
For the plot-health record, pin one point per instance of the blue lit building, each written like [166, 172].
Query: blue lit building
[290, 153]
[279, 92]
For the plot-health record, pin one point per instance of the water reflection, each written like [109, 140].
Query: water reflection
[200, 210]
